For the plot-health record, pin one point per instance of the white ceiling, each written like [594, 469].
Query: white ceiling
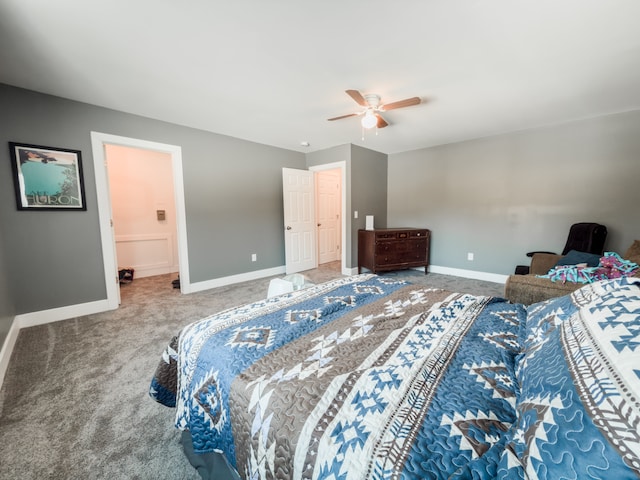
[274, 71]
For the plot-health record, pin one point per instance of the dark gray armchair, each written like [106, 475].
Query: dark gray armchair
[585, 237]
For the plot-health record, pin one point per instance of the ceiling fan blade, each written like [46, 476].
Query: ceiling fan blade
[343, 116]
[407, 102]
[357, 97]
[381, 121]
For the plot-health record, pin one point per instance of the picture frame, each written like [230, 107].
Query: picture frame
[47, 178]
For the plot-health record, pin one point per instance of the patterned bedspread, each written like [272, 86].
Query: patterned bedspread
[363, 377]
[369, 377]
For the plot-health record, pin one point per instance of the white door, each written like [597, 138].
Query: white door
[299, 220]
[116, 273]
[328, 210]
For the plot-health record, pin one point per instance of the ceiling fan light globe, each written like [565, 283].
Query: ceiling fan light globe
[369, 120]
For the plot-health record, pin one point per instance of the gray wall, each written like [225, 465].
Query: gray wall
[503, 196]
[341, 153]
[7, 310]
[53, 258]
[368, 191]
[233, 198]
[234, 205]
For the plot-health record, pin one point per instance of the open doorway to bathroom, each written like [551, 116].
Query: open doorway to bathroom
[143, 212]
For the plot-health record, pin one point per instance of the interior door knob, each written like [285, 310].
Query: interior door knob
[288, 227]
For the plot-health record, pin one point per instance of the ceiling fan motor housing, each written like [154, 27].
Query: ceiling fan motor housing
[372, 99]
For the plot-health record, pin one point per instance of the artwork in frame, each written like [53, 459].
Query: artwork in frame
[47, 178]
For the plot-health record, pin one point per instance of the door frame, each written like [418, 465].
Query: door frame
[343, 208]
[98, 142]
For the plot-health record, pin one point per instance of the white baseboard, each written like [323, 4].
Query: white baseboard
[456, 272]
[230, 280]
[349, 271]
[32, 319]
[459, 272]
[7, 349]
[142, 272]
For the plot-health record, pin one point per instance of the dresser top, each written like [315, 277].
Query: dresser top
[391, 229]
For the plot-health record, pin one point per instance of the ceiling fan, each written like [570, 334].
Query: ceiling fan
[372, 108]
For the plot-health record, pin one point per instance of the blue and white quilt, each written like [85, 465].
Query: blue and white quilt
[371, 377]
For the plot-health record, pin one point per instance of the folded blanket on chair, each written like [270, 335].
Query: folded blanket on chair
[611, 265]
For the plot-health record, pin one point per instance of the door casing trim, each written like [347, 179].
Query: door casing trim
[98, 141]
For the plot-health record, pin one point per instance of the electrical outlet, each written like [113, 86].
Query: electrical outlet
[355, 214]
[254, 257]
[470, 256]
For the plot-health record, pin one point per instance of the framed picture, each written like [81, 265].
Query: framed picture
[47, 178]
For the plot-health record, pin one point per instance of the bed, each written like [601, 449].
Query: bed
[372, 377]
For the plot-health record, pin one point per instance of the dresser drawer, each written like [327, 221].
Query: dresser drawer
[398, 260]
[413, 245]
[389, 258]
[386, 235]
[400, 235]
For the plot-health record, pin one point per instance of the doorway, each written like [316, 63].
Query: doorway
[338, 171]
[100, 143]
[328, 214]
[300, 195]
[143, 210]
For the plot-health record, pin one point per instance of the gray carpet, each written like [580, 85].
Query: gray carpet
[74, 403]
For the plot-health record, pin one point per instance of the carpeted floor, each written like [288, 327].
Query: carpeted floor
[74, 403]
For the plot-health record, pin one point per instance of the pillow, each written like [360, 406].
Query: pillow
[574, 257]
[578, 409]
[633, 253]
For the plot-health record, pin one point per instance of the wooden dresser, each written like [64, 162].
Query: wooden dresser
[393, 249]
